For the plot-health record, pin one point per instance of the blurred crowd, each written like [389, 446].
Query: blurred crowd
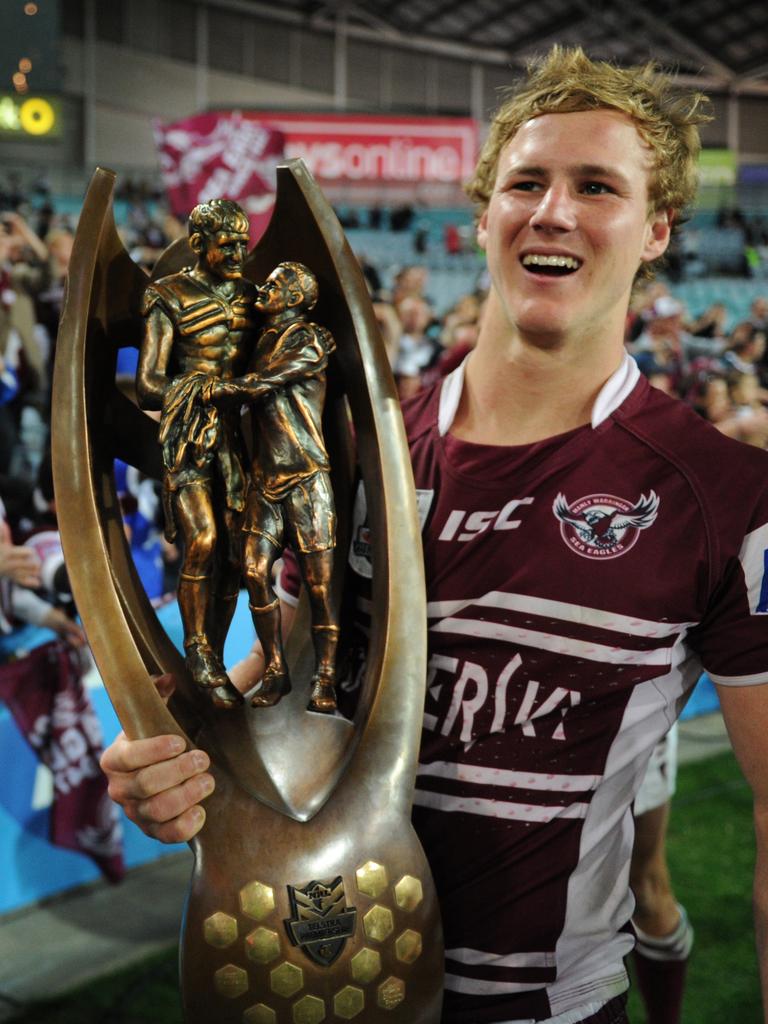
[719, 367]
[35, 251]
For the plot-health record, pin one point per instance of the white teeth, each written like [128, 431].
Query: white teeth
[540, 260]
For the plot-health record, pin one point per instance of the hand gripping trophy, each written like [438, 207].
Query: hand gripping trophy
[311, 899]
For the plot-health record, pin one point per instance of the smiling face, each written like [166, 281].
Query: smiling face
[281, 291]
[567, 227]
[224, 253]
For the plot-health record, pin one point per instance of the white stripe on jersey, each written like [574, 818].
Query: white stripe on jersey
[479, 956]
[557, 644]
[504, 777]
[754, 561]
[504, 809]
[484, 987]
[577, 613]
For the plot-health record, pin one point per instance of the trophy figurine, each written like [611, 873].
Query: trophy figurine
[198, 330]
[289, 493]
[311, 899]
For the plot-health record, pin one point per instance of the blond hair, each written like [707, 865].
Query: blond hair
[566, 80]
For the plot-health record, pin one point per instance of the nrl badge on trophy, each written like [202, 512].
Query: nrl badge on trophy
[311, 899]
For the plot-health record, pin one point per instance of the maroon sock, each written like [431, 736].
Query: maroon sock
[660, 966]
[661, 984]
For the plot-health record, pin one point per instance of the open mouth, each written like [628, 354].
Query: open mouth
[549, 265]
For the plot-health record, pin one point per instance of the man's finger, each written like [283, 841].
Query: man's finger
[175, 802]
[124, 755]
[180, 830]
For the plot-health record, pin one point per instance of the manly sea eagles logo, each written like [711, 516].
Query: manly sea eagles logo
[321, 924]
[602, 525]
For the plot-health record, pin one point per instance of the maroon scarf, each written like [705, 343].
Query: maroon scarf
[45, 694]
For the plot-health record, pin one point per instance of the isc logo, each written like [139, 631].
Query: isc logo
[478, 522]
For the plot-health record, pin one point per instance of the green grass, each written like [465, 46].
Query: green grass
[711, 856]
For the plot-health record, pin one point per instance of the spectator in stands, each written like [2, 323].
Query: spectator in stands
[410, 282]
[21, 253]
[459, 332]
[417, 350]
[660, 349]
[758, 313]
[714, 403]
[667, 346]
[710, 323]
[640, 311]
[746, 349]
[20, 570]
[750, 416]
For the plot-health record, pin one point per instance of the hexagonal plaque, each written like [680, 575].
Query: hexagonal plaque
[259, 1014]
[390, 993]
[308, 1010]
[230, 981]
[378, 923]
[371, 879]
[262, 945]
[348, 1002]
[408, 893]
[257, 900]
[408, 946]
[220, 930]
[365, 965]
[286, 979]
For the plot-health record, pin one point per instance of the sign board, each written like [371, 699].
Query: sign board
[35, 116]
[344, 148]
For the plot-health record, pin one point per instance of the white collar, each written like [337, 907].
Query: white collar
[616, 390]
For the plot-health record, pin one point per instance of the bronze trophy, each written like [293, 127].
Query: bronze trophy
[311, 898]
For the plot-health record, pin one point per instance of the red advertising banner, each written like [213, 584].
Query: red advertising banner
[343, 148]
[220, 156]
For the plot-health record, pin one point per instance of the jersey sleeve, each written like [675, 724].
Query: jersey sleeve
[156, 294]
[732, 638]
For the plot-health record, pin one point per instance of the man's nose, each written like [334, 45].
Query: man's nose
[556, 209]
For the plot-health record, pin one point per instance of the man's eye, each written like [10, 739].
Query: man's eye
[526, 186]
[596, 188]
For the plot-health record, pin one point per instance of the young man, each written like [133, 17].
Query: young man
[584, 557]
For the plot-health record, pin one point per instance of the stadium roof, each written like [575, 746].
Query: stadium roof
[723, 45]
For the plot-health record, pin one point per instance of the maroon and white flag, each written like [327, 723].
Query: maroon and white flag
[220, 156]
[45, 694]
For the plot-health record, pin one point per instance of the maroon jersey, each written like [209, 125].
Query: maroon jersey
[576, 588]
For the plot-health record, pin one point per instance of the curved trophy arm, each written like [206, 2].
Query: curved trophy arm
[105, 587]
[392, 700]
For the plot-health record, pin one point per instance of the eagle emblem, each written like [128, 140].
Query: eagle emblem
[603, 526]
[321, 923]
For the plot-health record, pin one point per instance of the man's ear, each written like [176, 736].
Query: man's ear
[196, 243]
[659, 231]
[481, 231]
